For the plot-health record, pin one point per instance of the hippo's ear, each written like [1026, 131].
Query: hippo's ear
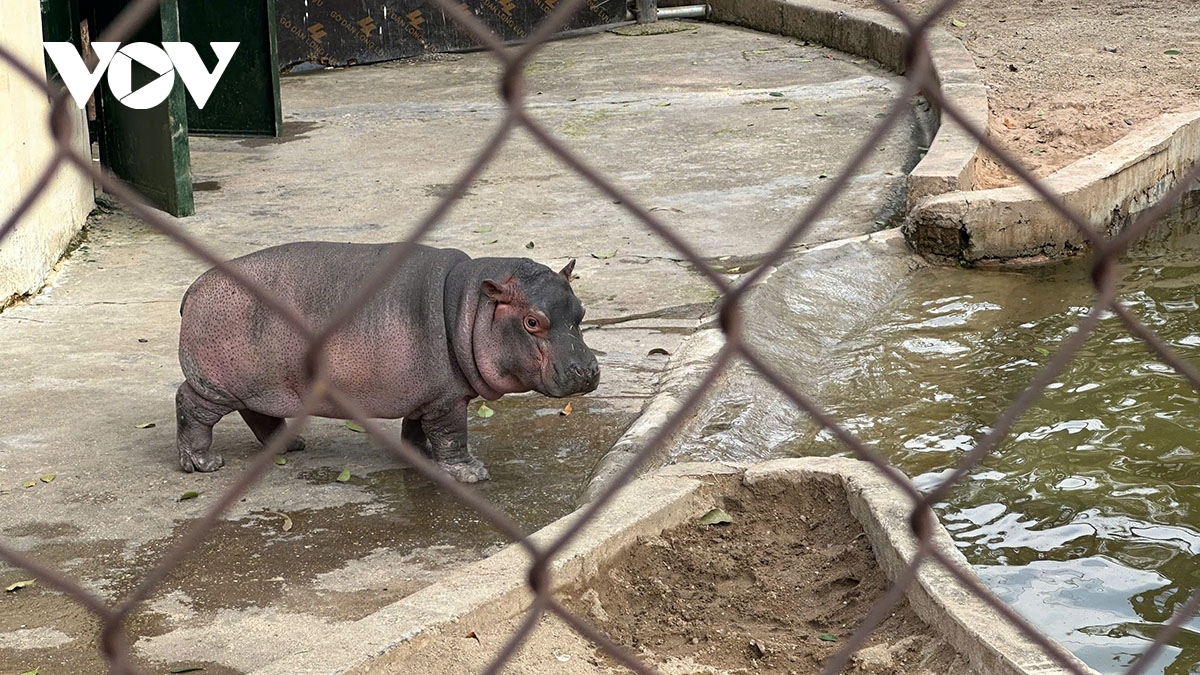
[566, 271]
[500, 292]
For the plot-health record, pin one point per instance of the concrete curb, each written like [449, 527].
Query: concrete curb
[684, 373]
[950, 163]
[1013, 226]
[432, 622]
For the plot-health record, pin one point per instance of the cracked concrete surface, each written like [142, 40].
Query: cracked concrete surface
[687, 123]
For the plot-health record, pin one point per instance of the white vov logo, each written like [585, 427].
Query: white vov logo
[179, 57]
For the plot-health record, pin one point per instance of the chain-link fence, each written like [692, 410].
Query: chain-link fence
[920, 80]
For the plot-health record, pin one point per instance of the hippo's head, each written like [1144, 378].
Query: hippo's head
[527, 334]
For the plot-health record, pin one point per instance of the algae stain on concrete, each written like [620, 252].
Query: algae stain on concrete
[655, 28]
[584, 124]
[548, 66]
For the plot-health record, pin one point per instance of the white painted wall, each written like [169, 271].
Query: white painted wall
[28, 254]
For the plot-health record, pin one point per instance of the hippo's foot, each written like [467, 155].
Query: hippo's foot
[467, 472]
[296, 445]
[204, 462]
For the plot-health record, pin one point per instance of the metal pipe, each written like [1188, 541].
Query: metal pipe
[685, 12]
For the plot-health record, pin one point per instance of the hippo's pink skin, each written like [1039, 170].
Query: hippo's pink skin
[444, 330]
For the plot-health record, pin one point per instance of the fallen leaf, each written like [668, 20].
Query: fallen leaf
[734, 270]
[472, 635]
[529, 245]
[604, 256]
[483, 230]
[47, 477]
[958, 24]
[287, 521]
[146, 425]
[824, 175]
[489, 243]
[1173, 52]
[280, 461]
[663, 105]
[19, 585]
[658, 351]
[715, 517]
[484, 411]
[776, 93]
[29, 483]
[1042, 350]
[355, 426]
[566, 409]
[190, 494]
[185, 669]
[1009, 123]
[344, 476]
[828, 637]
[32, 672]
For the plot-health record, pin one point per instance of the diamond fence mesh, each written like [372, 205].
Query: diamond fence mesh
[920, 80]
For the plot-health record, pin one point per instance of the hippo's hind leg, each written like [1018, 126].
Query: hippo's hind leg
[194, 420]
[411, 431]
[266, 426]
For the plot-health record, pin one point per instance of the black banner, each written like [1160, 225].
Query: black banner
[349, 32]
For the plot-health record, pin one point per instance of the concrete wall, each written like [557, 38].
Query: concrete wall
[28, 253]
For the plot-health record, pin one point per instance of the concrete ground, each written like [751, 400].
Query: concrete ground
[724, 133]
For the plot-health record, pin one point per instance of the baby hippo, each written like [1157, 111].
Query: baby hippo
[445, 329]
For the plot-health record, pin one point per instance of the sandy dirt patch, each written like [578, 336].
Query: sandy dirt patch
[1066, 78]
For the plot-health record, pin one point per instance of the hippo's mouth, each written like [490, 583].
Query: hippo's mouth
[570, 380]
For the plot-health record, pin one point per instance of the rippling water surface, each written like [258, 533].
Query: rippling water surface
[1087, 517]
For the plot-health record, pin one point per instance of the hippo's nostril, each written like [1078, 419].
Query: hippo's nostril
[577, 370]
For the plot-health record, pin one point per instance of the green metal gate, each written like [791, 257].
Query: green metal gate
[149, 148]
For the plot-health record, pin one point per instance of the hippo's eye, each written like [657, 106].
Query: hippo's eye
[532, 324]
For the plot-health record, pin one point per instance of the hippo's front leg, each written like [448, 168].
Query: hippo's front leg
[447, 433]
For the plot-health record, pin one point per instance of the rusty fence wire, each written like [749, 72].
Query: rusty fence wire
[920, 80]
